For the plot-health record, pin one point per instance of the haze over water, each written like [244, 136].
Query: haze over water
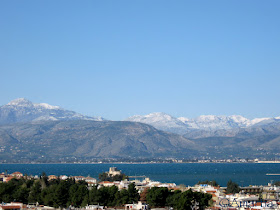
[186, 173]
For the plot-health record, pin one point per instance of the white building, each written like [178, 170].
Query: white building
[138, 206]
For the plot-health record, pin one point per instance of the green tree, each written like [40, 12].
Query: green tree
[105, 177]
[35, 193]
[111, 195]
[185, 201]
[173, 197]
[93, 195]
[72, 195]
[232, 187]
[48, 195]
[61, 194]
[157, 196]
[212, 183]
[77, 194]
[7, 190]
[85, 201]
[21, 194]
[102, 196]
[133, 195]
[189, 199]
[124, 196]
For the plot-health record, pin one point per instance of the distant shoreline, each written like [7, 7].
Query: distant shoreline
[266, 162]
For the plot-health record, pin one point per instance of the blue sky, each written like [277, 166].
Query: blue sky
[120, 58]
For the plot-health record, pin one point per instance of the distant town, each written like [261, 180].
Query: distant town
[141, 160]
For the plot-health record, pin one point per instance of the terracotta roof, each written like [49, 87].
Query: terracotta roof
[106, 182]
[9, 178]
[10, 207]
[16, 173]
[258, 204]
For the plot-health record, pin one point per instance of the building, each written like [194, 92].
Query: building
[138, 206]
[12, 206]
[90, 180]
[17, 175]
[51, 177]
[113, 171]
[106, 184]
[79, 178]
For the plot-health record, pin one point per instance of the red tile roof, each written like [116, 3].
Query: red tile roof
[10, 207]
[15, 173]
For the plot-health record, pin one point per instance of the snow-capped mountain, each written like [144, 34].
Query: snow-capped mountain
[183, 125]
[161, 121]
[23, 110]
[212, 122]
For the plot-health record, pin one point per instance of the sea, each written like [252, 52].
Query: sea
[188, 174]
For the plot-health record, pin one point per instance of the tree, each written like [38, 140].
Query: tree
[133, 195]
[72, 195]
[48, 195]
[102, 196]
[105, 177]
[157, 196]
[77, 194]
[21, 194]
[173, 197]
[277, 183]
[7, 190]
[93, 195]
[61, 194]
[185, 201]
[35, 193]
[189, 199]
[44, 180]
[124, 197]
[232, 187]
[212, 183]
[111, 195]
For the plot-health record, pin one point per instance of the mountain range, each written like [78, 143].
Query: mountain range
[89, 139]
[40, 132]
[23, 110]
[184, 125]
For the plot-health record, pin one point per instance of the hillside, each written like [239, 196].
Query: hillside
[23, 110]
[90, 139]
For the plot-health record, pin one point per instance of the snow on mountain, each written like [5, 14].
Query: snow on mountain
[46, 106]
[19, 102]
[212, 122]
[23, 110]
[265, 121]
[183, 125]
[258, 120]
[184, 119]
[161, 121]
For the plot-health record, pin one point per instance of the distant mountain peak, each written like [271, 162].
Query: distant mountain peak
[20, 102]
[23, 110]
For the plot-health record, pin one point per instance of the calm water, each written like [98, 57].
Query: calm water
[186, 173]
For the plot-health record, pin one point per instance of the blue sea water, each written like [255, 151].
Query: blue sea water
[184, 173]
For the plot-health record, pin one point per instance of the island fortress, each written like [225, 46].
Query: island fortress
[113, 171]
